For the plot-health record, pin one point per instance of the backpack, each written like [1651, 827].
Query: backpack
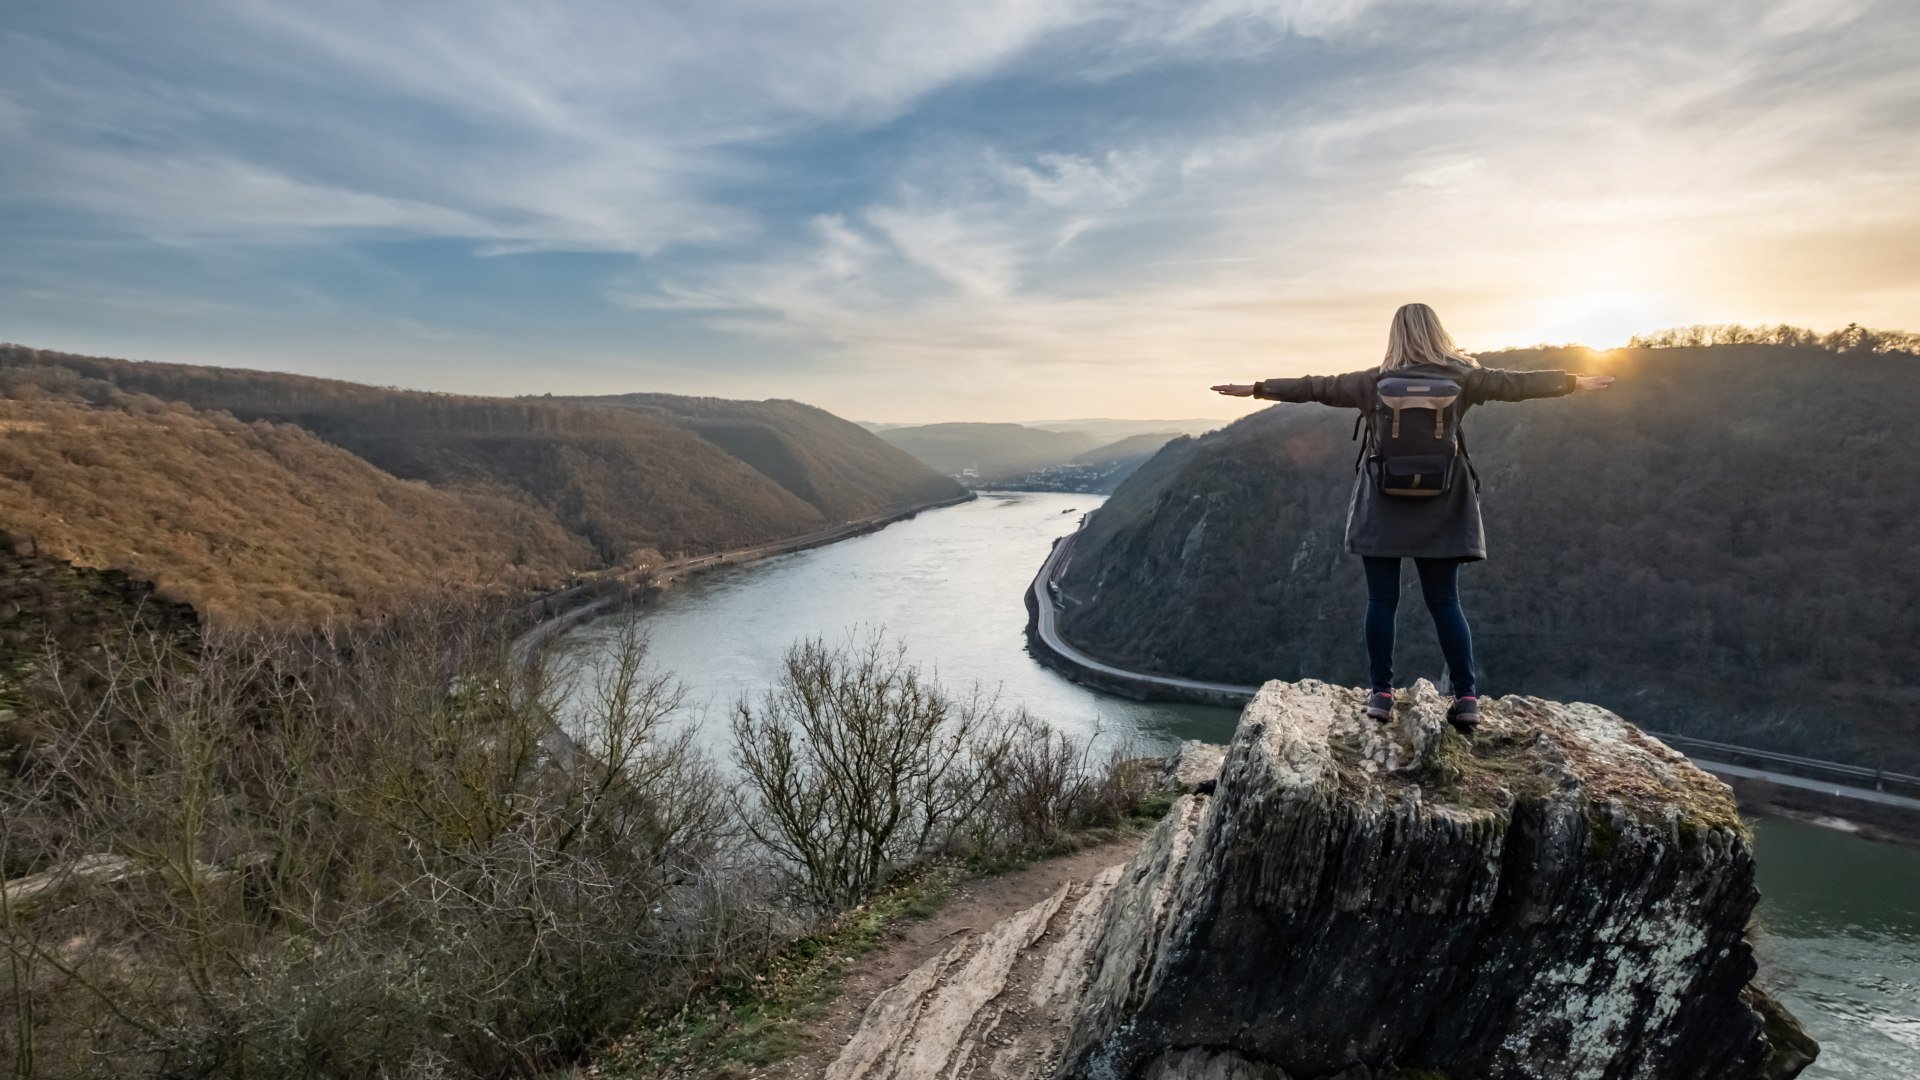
[1413, 435]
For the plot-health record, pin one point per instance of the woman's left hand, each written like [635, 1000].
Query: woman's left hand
[1234, 390]
[1592, 382]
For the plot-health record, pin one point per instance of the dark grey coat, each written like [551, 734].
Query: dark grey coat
[1447, 527]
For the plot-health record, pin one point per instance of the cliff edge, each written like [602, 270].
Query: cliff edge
[1561, 897]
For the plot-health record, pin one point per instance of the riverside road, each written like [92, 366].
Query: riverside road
[1046, 601]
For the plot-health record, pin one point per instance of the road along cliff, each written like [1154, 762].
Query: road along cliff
[1560, 898]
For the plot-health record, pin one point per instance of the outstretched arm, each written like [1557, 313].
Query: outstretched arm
[1494, 384]
[1341, 391]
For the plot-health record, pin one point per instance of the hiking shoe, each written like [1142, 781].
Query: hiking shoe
[1380, 704]
[1464, 713]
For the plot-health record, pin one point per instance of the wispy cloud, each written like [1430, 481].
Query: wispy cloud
[1004, 196]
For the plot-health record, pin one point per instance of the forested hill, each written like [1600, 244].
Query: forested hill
[258, 495]
[837, 466]
[1722, 545]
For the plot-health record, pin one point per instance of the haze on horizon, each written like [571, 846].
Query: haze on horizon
[1001, 210]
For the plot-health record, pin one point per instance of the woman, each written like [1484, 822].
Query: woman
[1428, 510]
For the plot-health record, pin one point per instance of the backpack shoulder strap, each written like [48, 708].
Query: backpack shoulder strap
[1460, 436]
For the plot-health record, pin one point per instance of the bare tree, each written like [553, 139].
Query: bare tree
[855, 758]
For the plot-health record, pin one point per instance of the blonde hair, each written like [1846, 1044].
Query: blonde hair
[1418, 338]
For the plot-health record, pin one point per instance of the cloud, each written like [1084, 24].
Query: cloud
[1008, 189]
[181, 198]
[1359, 194]
[603, 127]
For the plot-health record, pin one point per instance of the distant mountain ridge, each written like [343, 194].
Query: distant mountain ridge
[982, 454]
[1098, 470]
[1722, 544]
[1112, 431]
[999, 454]
[404, 491]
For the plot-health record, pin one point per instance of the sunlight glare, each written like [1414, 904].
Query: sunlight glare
[1599, 320]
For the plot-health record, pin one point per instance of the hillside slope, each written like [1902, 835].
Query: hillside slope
[836, 466]
[1098, 470]
[1133, 446]
[618, 479]
[1721, 544]
[246, 522]
[262, 496]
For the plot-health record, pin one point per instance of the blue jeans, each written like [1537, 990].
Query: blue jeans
[1440, 585]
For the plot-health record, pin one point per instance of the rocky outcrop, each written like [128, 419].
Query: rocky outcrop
[43, 598]
[1559, 898]
[46, 603]
[994, 1004]
[1193, 766]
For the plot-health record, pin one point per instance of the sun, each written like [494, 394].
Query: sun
[1604, 319]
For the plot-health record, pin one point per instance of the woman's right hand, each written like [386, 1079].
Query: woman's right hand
[1234, 390]
[1592, 382]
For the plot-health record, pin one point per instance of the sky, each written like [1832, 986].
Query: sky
[995, 210]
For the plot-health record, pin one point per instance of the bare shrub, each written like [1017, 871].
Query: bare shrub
[370, 855]
[1042, 784]
[859, 766]
[1037, 778]
[407, 849]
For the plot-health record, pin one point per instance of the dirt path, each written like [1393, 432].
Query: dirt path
[976, 905]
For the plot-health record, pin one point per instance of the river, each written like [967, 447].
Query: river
[1841, 915]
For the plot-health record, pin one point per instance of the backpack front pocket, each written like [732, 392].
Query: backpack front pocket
[1415, 475]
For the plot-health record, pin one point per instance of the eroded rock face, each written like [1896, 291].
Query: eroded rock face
[991, 1006]
[1193, 766]
[1562, 897]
